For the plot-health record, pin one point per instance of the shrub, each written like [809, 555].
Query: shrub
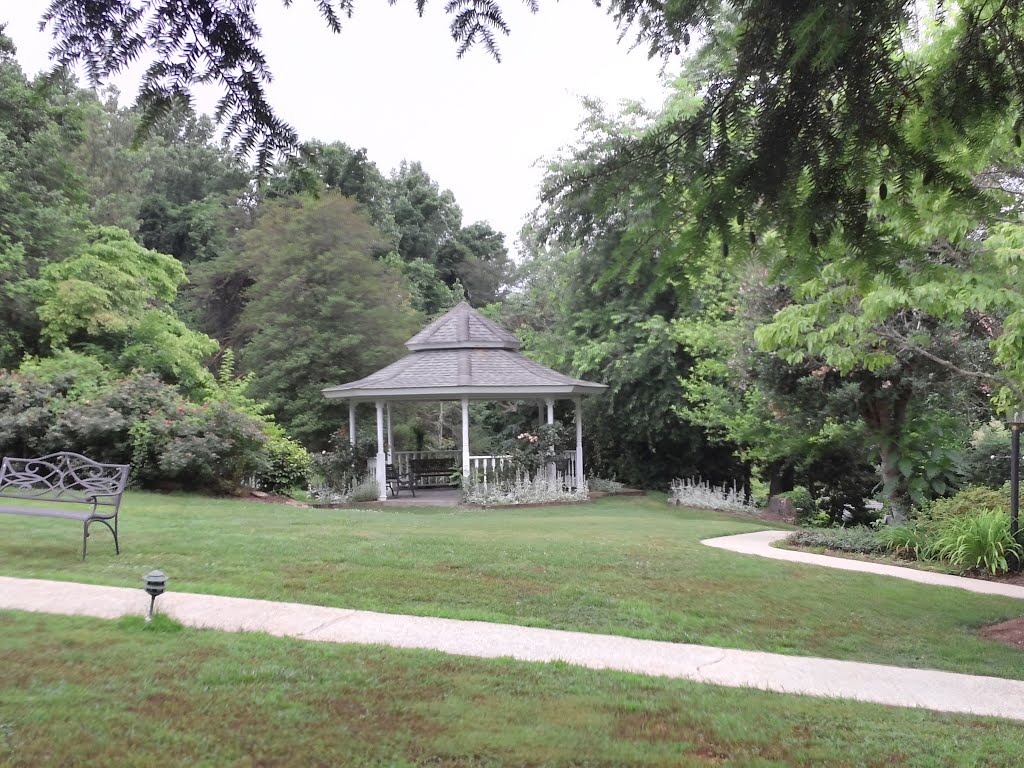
[858, 540]
[967, 502]
[702, 495]
[979, 467]
[603, 485]
[980, 540]
[341, 468]
[366, 489]
[802, 503]
[287, 465]
[540, 489]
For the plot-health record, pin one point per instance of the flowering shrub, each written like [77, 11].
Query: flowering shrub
[699, 494]
[169, 441]
[341, 468]
[530, 451]
[523, 489]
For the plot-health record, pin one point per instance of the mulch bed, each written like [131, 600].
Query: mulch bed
[1009, 633]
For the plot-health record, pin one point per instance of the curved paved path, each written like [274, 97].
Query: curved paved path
[895, 686]
[760, 543]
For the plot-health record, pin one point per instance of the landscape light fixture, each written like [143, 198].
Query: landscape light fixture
[155, 583]
[1015, 419]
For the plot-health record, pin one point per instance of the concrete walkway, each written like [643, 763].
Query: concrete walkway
[760, 543]
[895, 686]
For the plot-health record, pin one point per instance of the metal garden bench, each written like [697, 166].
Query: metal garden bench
[65, 485]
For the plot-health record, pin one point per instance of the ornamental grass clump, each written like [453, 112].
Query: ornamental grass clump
[907, 541]
[981, 540]
[702, 495]
[542, 488]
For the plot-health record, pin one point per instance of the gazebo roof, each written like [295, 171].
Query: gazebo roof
[463, 354]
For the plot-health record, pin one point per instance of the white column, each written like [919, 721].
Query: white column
[391, 438]
[552, 470]
[382, 476]
[579, 442]
[352, 422]
[540, 412]
[465, 437]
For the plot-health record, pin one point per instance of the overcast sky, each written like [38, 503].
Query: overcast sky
[391, 83]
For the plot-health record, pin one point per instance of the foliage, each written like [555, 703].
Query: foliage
[967, 502]
[169, 441]
[530, 451]
[615, 331]
[287, 465]
[540, 488]
[979, 540]
[699, 494]
[314, 280]
[341, 468]
[907, 540]
[859, 540]
[366, 489]
[802, 501]
[987, 457]
[114, 295]
[605, 485]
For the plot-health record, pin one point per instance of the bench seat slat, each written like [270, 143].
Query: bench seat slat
[71, 514]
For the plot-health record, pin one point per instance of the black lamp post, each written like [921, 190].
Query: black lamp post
[155, 583]
[1016, 421]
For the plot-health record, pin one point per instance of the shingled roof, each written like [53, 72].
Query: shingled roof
[463, 354]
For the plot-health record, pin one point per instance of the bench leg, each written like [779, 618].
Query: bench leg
[112, 528]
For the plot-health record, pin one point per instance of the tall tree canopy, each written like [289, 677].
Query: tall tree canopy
[803, 77]
[320, 310]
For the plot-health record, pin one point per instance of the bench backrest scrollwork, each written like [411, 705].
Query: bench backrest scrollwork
[68, 477]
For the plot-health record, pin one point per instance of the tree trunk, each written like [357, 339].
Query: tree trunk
[893, 479]
[781, 478]
[885, 413]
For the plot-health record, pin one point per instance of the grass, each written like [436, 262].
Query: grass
[85, 692]
[628, 566]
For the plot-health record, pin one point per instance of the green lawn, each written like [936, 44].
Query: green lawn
[85, 692]
[630, 566]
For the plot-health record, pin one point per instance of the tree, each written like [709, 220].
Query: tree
[113, 298]
[799, 80]
[486, 268]
[320, 310]
[427, 219]
[338, 168]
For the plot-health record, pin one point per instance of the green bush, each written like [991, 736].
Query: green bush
[169, 441]
[858, 540]
[967, 502]
[978, 467]
[366, 490]
[979, 540]
[287, 465]
[803, 503]
[342, 467]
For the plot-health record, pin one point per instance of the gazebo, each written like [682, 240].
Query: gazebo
[462, 356]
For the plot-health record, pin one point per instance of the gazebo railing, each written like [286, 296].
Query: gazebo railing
[485, 468]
